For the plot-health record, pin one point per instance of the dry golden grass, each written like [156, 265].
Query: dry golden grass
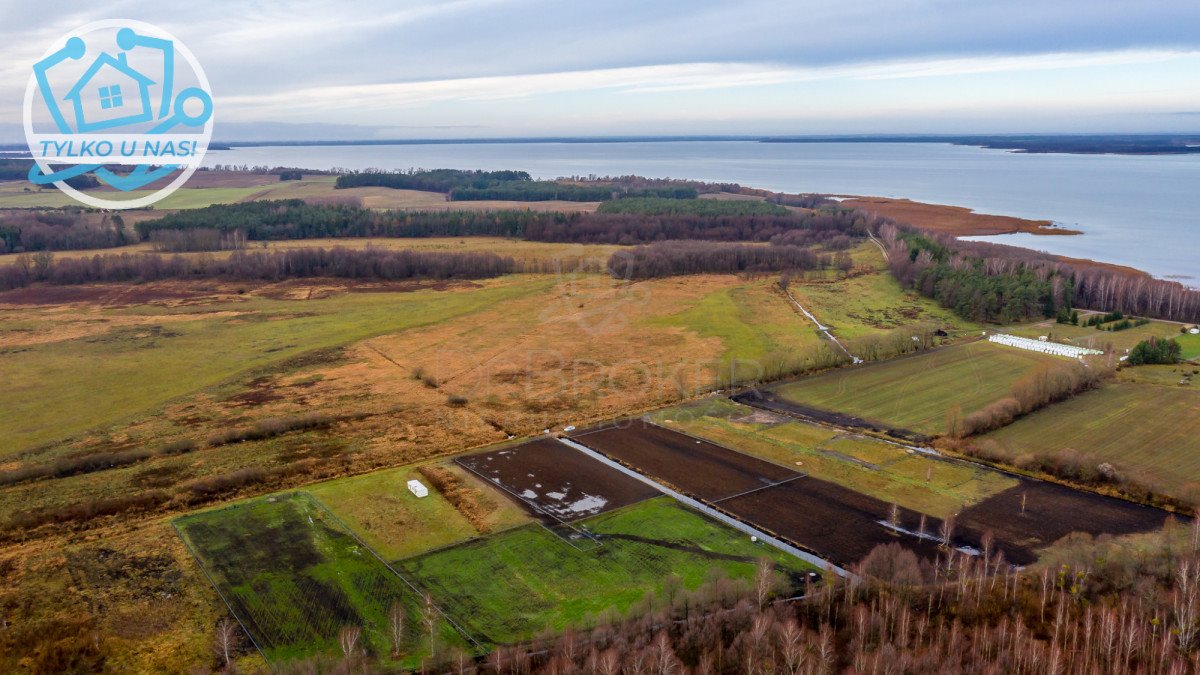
[548, 351]
[570, 255]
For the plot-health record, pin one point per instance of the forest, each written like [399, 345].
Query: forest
[992, 282]
[671, 258]
[296, 219]
[635, 229]
[461, 185]
[436, 180]
[59, 230]
[656, 206]
[369, 263]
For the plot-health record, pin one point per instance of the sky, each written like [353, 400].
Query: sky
[513, 68]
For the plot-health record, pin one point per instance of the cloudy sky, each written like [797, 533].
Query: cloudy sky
[495, 68]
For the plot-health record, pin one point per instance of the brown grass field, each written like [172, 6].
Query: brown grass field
[404, 372]
[571, 256]
[955, 220]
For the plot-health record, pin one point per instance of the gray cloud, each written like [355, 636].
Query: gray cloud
[252, 49]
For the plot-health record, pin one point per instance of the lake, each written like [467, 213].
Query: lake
[1134, 210]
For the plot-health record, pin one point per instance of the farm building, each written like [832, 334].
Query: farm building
[1043, 345]
[415, 487]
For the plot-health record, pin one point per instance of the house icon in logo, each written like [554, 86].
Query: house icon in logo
[110, 94]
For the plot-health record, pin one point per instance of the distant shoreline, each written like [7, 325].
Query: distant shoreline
[1094, 144]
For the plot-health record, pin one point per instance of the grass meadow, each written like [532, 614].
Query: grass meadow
[1148, 431]
[58, 389]
[397, 524]
[870, 466]
[1191, 346]
[295, 577]
[915, 392]
[517, 583]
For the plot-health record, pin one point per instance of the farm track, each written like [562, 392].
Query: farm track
[821, 327]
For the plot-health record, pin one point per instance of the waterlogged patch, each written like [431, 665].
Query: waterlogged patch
[114, 107]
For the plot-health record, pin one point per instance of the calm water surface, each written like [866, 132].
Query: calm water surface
[1137, 211]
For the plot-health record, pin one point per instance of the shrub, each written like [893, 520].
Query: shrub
[1154, 351]
[94, 508]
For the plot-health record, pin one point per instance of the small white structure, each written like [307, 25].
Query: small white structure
[1195, 331]
[415, 487]
[1052, 348]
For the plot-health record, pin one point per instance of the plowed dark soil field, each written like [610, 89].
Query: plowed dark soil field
[1051, 513]
[838, 524]
[843, 525]
[555, 481]
[692, 466]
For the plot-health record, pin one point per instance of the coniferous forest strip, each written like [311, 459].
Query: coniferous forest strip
[461, 185]
[370, 263]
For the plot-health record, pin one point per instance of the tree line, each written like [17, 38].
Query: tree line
[549, 190]
[1096, 606]
[60, 230]
[1046, 384]
[657, 206]
[297, 219]
[994, 282]
[460, 185]
[630, 229]
[673, 258]
[434, 180]
[369, 263]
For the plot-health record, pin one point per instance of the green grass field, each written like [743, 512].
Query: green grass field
[1092, 338]
[870, 303]
[1150, 431]
[517, 583]
[101, 380]
[394, 522]
[867, 465]
[751, 321]
[915, 392]
[295, 577]
[1190, 345]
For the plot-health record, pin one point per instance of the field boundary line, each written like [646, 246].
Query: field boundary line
[200, 563]
[450, 620]
[710, 511]
[761, 488]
